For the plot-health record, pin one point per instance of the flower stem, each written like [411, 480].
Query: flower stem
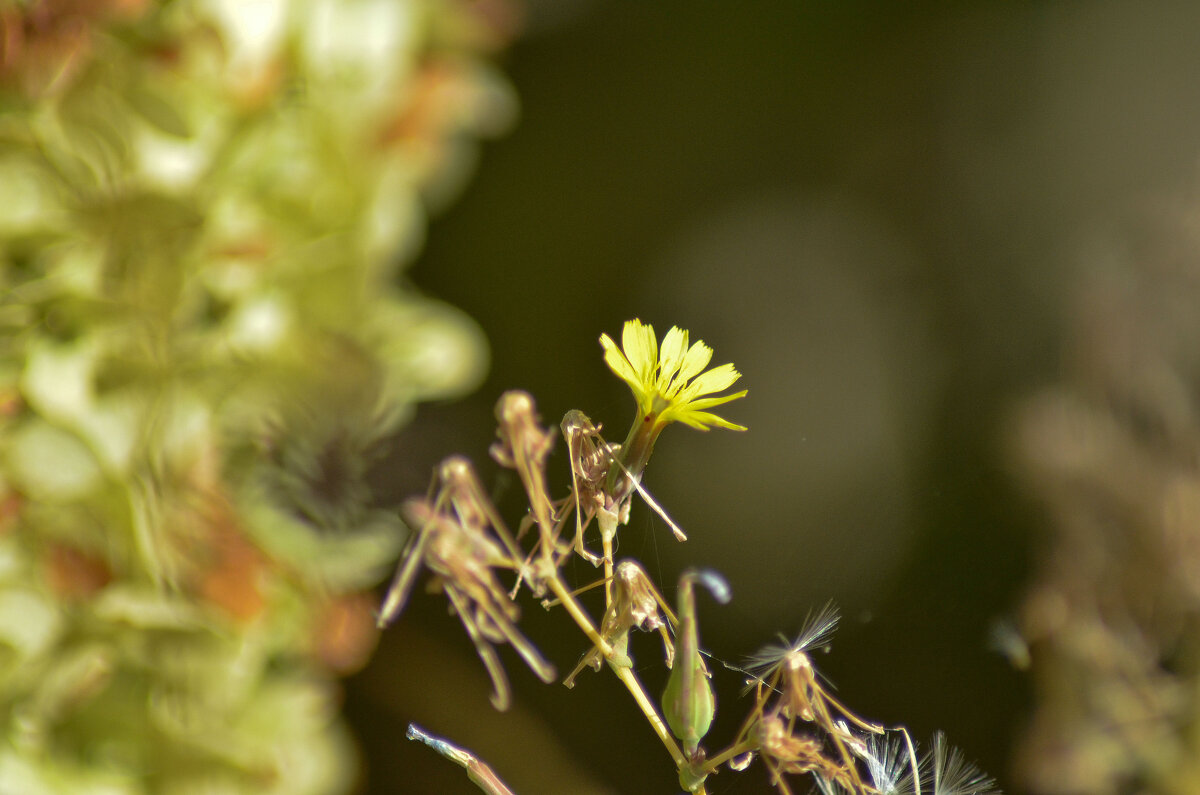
[635, 454]
[625, 674]
[736, 749]
[623, 474]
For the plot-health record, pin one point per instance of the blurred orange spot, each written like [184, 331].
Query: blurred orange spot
[496, 22]
[252, 248]
[440, 92]
[231, 569]
[255, 90]
[45, 44]
[74, 574]
[10, 403]
[346, 633]
[10, 508]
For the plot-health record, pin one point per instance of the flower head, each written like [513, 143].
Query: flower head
[669, 382]
[816, 632]
[951, 774]
[892, 763]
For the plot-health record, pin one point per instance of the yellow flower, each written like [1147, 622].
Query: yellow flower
[669, 382]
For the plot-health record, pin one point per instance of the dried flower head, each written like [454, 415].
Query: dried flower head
[635, 600]
[951, 774]
[452, 539]
[523, 446]
[787, 753]
[817, 630]
[788, 688]
[635, 603]
[891, 762]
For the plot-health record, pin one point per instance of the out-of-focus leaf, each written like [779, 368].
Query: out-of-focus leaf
[292, 718]
[70, 680]
[145, 234]
[11, 559]
[29, 622]
[49, 463]
[113, 428]
[29, 196]
[148, 607]
[158, 112]
[429, 349]
[58, 379]
[47, 775]
[342, 561]
[361, 557]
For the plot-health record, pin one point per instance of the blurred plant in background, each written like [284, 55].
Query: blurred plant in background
[206, 204]
[1113, 617]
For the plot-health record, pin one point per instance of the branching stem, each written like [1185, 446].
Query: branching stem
[737, 749]
[625, 674]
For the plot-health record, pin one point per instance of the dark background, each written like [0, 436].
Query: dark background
[874, 210]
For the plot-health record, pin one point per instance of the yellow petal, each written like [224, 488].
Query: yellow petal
[668, 381]
[714, 380]
[709, 402]
[670, 357]
[691, 413]
[619, 364]
[641, 348]
[697, 358]
[705, 420]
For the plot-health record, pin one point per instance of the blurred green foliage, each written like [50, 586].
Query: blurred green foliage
[202, 340]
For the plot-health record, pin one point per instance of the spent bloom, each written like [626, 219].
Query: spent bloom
[815, 633]
[951, 774]
[891, 761]
[669, 383]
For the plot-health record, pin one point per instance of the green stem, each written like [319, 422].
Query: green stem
[635, 454]
[711, 764]
[625, 674]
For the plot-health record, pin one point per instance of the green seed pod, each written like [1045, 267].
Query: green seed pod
[688, 702]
